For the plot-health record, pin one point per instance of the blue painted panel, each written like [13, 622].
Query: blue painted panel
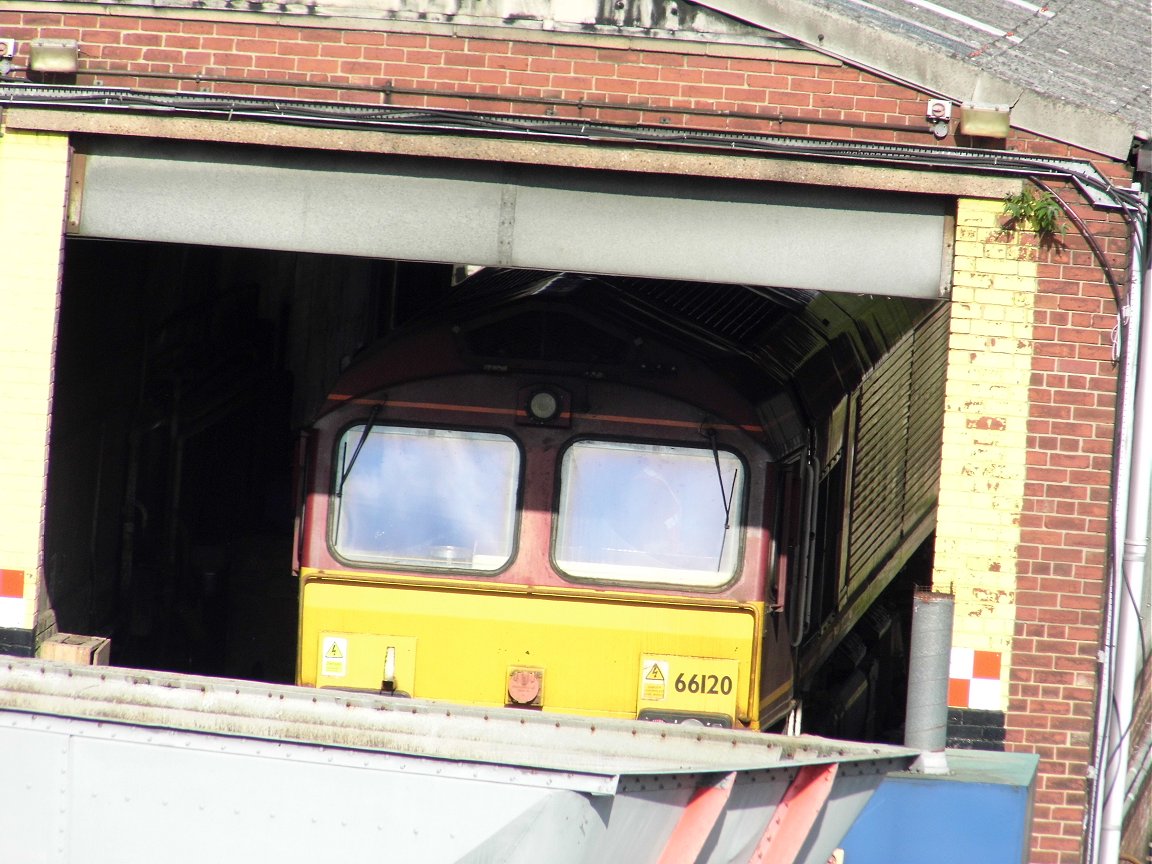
[980, 812]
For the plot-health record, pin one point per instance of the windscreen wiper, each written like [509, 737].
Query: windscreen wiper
[725, 496]
[371, 422]
[368, 426]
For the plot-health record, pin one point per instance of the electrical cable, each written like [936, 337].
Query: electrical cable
[311, 114]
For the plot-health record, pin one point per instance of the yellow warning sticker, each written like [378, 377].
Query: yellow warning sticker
[334, 657]
[707, 684]
[653, 680]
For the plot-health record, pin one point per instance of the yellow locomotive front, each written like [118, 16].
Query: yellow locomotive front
[539, 540]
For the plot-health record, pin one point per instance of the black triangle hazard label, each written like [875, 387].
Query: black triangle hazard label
[654, 673]
[333, 652]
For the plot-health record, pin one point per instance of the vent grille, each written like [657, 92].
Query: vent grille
[896, 471]
[925, 426]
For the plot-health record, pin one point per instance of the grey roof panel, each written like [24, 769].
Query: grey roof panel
[1075, 70]
[1092, 53]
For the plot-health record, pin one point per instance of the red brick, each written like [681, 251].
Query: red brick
[363, 37]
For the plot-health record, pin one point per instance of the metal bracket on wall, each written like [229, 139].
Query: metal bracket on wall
[7, 52]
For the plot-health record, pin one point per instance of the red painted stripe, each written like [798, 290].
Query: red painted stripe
[697, 821]
[11, 583]
[795, 815]
[504, 412]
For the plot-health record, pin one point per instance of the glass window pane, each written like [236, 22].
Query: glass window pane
[426, 497]
[648, 513]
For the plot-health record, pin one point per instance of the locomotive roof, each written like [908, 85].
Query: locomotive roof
[794, 352]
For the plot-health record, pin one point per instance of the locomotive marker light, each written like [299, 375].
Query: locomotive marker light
[545, 405]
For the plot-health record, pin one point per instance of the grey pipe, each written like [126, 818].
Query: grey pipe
[1129, 316]
[926, 717]
[1112, 773]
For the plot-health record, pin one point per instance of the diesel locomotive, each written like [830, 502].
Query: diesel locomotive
[623, 498]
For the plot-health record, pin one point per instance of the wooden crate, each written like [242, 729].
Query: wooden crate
[83, 650]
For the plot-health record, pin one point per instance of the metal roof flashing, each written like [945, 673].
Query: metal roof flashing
[409, 727]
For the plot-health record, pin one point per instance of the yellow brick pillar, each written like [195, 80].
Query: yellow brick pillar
[984, 450]
[33, 183]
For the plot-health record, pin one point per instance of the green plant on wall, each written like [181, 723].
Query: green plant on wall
[1040, 212]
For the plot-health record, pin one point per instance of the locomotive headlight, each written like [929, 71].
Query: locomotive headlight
[543, 406]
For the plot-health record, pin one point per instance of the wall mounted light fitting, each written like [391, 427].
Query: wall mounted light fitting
[985, 121]
[60, 56]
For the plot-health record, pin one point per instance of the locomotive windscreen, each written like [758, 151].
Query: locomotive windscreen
[438, 498]
[632, 512]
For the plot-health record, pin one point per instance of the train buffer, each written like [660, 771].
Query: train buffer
[104, 764]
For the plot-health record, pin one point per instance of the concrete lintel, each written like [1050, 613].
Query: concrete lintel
[605, 157]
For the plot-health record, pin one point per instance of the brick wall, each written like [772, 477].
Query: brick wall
[1064, 527]
[709, 85]
[1038, 317]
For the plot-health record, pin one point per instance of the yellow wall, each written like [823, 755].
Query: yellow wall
[33, 180]
[984, 447]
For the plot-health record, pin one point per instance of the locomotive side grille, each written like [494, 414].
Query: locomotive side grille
[897, 457]
[877, 509]
[922, 474]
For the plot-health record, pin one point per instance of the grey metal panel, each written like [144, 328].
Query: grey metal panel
[124, 792]
[559, 828]
[719, 232]
[517, 215]
[643, 808]
[33, 806]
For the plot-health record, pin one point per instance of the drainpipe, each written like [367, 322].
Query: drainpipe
[1120, 655]
[926, 717]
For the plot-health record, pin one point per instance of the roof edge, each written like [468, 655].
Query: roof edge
[920, 66]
